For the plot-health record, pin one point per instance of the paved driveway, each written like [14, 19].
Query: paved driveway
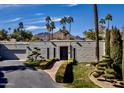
[13, 74]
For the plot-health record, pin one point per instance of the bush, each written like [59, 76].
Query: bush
[107, 42]
[101, 68]
[94, 63]
[65, 73]
[32, 63]
[73, 61]
[48, 63]
[102, 64]
[100, 71]
[43, 65]
[110, 71]
[109, 76]
[116, 50]
[96, 74]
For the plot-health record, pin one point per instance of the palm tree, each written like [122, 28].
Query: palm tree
[48, 28]
[63, 21]
[9, 29]
[69, 21]
[52, 26]
[102, 27]
[97, 31]
[102, 21]
[108, 18]
[48, 20]
[21, 26]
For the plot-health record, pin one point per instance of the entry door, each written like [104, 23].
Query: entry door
[63, 53]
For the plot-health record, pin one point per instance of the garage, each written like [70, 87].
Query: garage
[14, 54]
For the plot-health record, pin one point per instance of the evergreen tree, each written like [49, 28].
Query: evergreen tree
[123, 59]
[116, 50]
[107, 43]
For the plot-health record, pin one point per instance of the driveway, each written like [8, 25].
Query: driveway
[14, 74]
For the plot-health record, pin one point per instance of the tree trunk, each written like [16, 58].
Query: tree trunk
[49, 36]
[52, 34]
[108, 24]
[70, 30]
[97, 32]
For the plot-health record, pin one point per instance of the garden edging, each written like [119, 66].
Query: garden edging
[102, 84]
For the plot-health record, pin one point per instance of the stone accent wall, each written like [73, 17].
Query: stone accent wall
[85, 50]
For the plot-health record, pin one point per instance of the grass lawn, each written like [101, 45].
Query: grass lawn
[81, 79]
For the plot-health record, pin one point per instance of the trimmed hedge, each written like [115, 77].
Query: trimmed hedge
[42, 64]
[32, 63]
[100, 71]
[73, 61]
[102, 64]
[65, 73]
[96, 74]
[48, 64]
[109, 76]
[110, 71]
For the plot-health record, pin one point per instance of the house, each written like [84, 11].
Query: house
[83, 51]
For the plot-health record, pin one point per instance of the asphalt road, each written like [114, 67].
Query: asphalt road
[14, 74]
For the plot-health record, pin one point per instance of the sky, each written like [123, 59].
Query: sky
[33, 16]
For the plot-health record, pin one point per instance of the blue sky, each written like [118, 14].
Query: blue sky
[33, 16]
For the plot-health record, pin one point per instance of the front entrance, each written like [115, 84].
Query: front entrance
[63, 53]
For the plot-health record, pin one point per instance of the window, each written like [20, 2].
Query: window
[48, 53]
[74, 53]
[54, 52]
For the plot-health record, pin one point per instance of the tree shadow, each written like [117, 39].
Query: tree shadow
[14, 68]
[3, 80]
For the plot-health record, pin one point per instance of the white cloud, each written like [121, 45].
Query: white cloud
[35, 27]
[55, 19]
[2, 6]
[71, 5]
[14, 20]
[38, 21]
[39, 14]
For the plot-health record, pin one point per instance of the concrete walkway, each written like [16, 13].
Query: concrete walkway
[14, 74]
[53, 70]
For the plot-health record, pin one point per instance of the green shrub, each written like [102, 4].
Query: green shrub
[116, 50]
[72, 60]
[43, 65]
[60, 73]
[108, 76]
[107, 42]
[101, 68]
[48, 63]
[110, 71]
[96, 74]
[102, 64]
[32, 63]
[65, 73]
[100, 71]
[94, 63]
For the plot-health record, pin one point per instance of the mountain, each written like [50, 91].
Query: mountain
[59, 35]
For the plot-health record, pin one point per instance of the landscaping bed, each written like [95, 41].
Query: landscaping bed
[44, 64]
[80, 75]
[65, 72]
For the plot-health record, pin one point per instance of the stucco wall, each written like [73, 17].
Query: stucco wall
[13, 50]
[85, 50]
